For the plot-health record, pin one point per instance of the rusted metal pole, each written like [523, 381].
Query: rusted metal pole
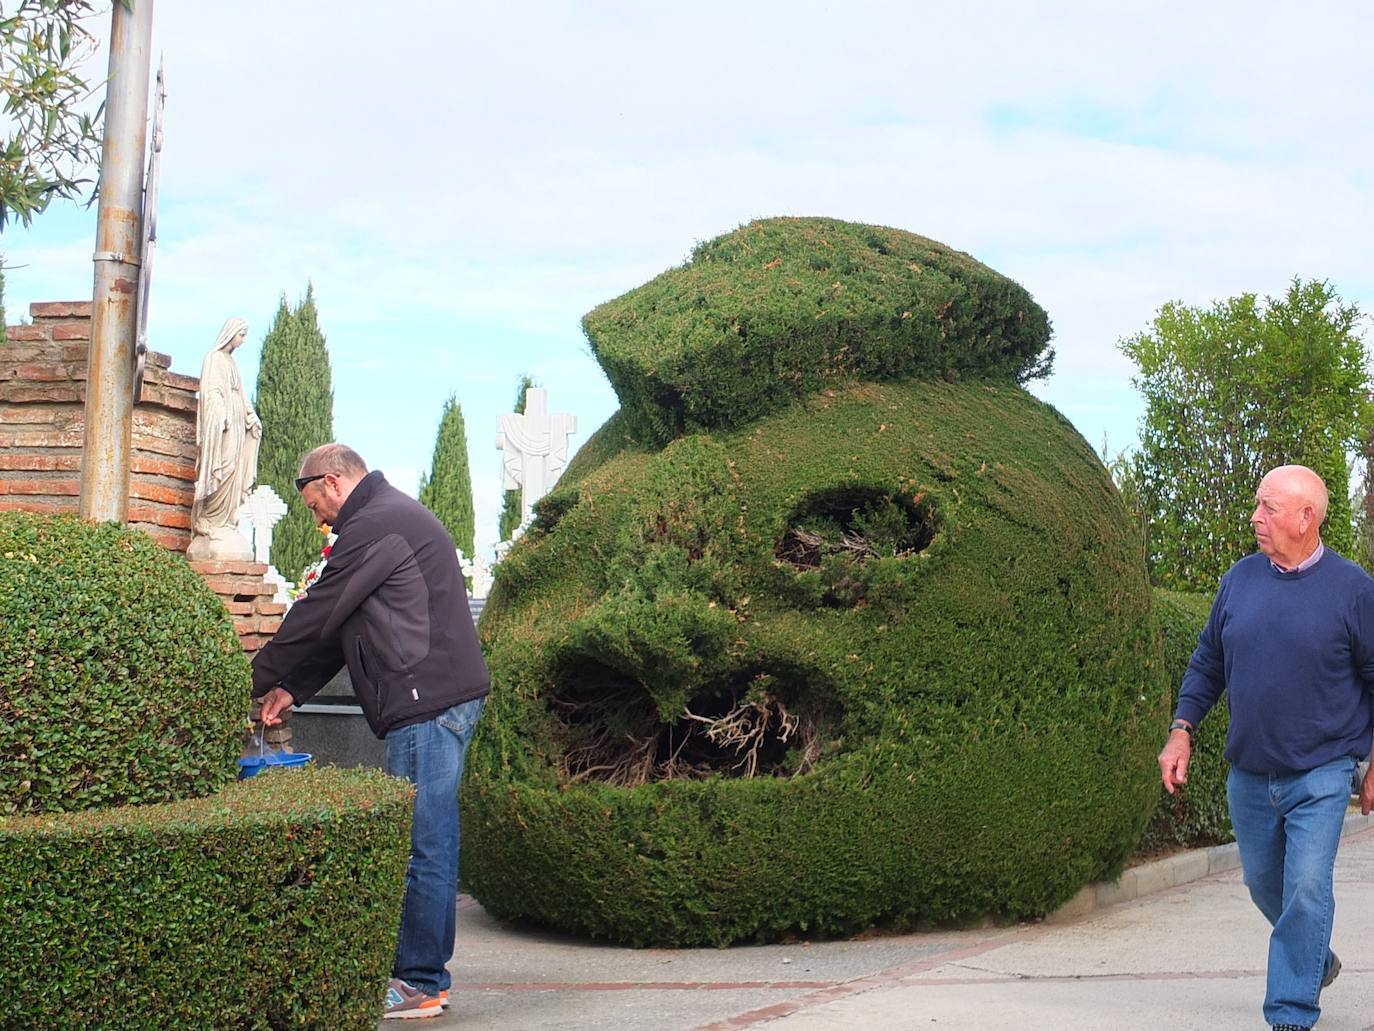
[118, 240]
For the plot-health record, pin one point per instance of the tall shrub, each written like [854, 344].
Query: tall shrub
[295, 401]
[1232, 391]
[510, 500]
[447, 490]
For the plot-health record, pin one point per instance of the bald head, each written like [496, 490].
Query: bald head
[1290, 507]
[1301, 484]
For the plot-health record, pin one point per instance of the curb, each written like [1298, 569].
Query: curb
[1169, 872]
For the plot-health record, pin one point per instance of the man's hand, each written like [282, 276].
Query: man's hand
[1173, 761]
[274, 703]
[1367, 791]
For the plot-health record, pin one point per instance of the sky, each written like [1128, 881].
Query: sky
[461, 183]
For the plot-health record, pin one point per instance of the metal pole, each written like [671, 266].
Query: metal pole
[118, 240]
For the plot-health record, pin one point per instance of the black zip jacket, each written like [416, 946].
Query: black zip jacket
[392, 605]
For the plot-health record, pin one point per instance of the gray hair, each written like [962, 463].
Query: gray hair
[339, 459]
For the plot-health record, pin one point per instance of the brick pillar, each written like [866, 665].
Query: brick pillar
[248, 597]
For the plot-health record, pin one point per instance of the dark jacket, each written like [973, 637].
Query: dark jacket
[392, 605]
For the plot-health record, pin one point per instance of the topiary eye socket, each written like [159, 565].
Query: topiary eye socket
[834, 533]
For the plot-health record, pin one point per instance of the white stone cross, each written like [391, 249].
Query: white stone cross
[263, 510]
[479, 572]
[535, 447]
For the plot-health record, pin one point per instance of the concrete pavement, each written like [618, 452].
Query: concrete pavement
[1185, 950]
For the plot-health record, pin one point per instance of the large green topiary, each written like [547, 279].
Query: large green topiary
[121, 678]
[884, 655]
[782, 307]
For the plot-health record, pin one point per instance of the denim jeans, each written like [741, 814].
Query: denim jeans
[1287, 828]
[430, 755]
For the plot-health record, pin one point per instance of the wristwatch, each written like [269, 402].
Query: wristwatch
[1183, 725]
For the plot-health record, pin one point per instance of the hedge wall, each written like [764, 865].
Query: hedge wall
[1197, 815]
[131, 895]
[883, 656]
[272, 904]
[782, 307]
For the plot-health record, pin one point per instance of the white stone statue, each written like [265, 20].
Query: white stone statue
[535, 447]
[227, 435]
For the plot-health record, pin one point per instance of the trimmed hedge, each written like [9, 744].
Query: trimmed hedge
[121, 678]
[272, 904]
[922, 610]
[1198, 814]
[783, 307]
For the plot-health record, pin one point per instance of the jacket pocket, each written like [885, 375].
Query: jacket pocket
[366, 687]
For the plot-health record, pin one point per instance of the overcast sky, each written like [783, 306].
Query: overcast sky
[462, 182]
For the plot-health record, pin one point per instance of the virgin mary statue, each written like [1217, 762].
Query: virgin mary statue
[227, 435]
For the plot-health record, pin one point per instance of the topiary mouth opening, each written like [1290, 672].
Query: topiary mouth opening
[755, 725]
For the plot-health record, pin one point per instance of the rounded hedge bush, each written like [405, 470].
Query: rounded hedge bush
[883, 655]
[121, 677]
[271, 904]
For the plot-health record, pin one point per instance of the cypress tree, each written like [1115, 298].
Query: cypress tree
[447, 490]
[510, 501]
[295, 401]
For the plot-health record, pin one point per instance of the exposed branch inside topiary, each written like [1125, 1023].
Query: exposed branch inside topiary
[805, 548]
[615, 736]
[745, 729]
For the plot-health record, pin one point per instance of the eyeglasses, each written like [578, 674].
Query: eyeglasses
[301, 481]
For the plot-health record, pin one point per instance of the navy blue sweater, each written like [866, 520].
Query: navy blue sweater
[1294, 653]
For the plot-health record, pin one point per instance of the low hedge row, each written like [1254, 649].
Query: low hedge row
[1198, 814]
[272, 904]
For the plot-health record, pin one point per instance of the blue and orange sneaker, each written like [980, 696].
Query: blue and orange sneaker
[406, 1002]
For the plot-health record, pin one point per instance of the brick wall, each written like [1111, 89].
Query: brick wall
[247, 596]
[42, 393]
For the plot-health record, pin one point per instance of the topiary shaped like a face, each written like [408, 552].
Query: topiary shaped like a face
[869, 645]
[121, 678]
[884, 656]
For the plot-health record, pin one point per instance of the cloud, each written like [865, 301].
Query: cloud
[461, 184]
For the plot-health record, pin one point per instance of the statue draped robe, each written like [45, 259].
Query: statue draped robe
[228, 452]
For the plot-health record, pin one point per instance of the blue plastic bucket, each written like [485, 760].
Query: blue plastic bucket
[252, 765]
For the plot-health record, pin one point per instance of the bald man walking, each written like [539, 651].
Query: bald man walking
[1291, 641]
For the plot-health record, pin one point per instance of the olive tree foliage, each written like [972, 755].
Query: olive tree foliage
[51, 122]
[447, 489]
[1232, 391]
[511, 512]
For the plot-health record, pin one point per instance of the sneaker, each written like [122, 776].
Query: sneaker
[1332, 972]
[443, 997]
[404, 1002]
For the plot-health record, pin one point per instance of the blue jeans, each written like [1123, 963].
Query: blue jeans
[1287, 828]
[430, 755]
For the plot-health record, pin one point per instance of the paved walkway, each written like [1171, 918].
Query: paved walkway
[1186, 957]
